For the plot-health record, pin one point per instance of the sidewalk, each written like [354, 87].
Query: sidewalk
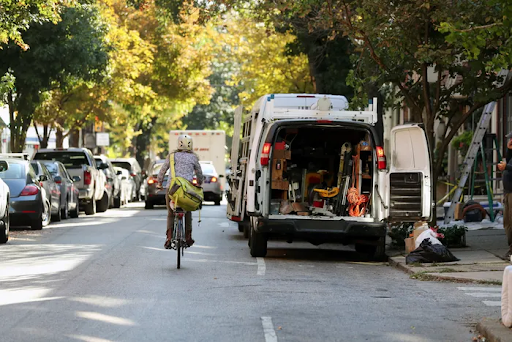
[479, 263]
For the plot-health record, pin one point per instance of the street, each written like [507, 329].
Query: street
[108, 278]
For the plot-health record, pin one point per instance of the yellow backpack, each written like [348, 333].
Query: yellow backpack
[185, 195]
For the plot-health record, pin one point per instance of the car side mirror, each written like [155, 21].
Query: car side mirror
[76, 179]
[221, 176]
[110, 179]
[57, 179]
[3, 166]
[123, 178]
[103, 166]
[119, 172]
[43, 178]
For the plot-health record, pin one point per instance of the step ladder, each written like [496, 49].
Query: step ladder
[474, 148]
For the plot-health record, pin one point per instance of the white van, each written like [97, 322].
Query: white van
[305, 167]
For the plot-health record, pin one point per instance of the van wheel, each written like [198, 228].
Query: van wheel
[117, 202]
[102, 204]
[258, 244]
[375, 252]
[90, 208]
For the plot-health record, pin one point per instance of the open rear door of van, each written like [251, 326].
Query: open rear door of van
[238, 169]
[409, 176]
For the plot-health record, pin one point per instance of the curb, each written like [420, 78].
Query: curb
[493, 330]
[437, 277]
[400, 266]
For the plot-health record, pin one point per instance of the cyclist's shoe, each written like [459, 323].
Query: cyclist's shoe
[168, 244]
[190, 242]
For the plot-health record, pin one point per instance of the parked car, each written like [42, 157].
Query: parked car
[211, 186]
[153, 196]
[69, 193]
[80, 162]
[27, 204]
[113, 185]
[135, 170]
[52, 190]
[4, 205]
[127, 185]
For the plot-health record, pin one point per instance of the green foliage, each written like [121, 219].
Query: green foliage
[73, 48]
[453, 235]
[461, 142]
[399, 232]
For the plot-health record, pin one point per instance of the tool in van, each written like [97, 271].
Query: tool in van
[346, 147]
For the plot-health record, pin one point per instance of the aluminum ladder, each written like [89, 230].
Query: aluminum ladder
[469, 160]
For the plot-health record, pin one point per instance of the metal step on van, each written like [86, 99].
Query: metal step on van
[304, 167]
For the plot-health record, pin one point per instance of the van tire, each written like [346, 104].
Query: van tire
[257, 244]
[374, 252]
[103, 203]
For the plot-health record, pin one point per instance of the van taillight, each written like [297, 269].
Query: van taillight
[265, 154]
[29, 190]
[381, 158]
[87, 177]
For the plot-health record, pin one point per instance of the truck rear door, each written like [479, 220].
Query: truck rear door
[237, 177]
[409, 176]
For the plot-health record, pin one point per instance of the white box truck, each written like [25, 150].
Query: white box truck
[306, 167]
[208, 145]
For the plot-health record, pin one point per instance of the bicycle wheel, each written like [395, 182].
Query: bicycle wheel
[179, 243]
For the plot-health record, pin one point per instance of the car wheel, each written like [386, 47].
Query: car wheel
[4, 234]
[57, 217]
[257, 244]
[74, 213]
[217, 201]
[47, 214]
[102, 204]
[90, 208]
[117, 202]
[149, 205]
[65, 211]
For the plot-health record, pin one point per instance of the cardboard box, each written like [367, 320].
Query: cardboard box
[282, 154]
[458, 211]
[409, 245]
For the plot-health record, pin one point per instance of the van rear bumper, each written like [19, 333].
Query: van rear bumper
[342, 229]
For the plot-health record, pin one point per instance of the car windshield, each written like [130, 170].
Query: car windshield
[207, 168]
[52, 167]
[124, 165]
[15, 171]
[69, 159]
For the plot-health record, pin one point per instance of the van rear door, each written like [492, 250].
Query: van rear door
[409, 176]
[238, 170]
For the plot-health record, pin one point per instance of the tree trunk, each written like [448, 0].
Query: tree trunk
[143, 141]
[59, 137]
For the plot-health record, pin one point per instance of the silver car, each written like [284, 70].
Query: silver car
[211, 186]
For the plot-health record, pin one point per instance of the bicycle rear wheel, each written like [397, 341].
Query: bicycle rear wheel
[178, 253]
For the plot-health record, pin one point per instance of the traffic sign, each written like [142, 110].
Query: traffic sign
[102, 139]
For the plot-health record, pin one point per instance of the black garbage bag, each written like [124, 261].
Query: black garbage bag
[427, 253]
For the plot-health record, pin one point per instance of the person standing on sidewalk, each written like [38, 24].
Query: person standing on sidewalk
[506, 167]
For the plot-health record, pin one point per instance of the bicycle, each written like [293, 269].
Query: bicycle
[179, 243]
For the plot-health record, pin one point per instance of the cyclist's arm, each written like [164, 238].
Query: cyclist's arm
[163, 170]
[199, 172]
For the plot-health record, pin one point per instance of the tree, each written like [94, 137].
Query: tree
[18, 15]
[405, 44]
[72, 48]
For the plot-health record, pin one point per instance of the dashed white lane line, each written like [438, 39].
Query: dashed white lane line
[262, 268]
[491, 289]
[492, 302]
[268, 329]
[484, 295]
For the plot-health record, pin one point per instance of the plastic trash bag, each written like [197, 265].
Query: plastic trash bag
[428, 234]
[428, 253]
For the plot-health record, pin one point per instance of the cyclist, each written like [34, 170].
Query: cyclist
[186, 162]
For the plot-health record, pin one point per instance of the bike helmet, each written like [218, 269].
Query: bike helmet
[185, 142]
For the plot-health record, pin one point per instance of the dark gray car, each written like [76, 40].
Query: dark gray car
[26, 201]
[68, 191]
[51, 188]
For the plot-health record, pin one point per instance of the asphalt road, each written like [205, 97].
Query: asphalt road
[108, 278]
